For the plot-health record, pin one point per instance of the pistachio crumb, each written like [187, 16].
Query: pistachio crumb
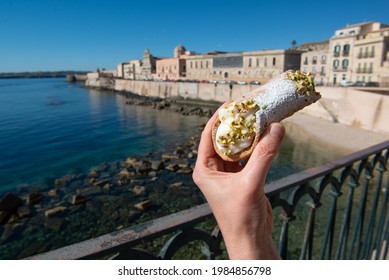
[305, 83]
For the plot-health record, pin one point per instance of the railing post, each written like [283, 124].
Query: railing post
[284, 235]
[358, 228]
[343, 236]
[306, 251]
[329, 233]
[367, 248]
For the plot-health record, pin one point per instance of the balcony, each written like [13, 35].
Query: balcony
[345, 53]
[366, 55]
[336, 54]
[340, 210]
[364, 70]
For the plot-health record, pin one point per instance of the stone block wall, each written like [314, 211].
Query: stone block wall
[346, 105]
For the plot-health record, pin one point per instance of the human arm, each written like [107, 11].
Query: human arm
[236, 194]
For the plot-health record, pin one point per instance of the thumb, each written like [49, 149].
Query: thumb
[260, 160]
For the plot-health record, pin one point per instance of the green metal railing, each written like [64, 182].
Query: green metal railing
[335, 211]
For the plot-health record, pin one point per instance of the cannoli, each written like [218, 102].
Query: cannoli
[241, 123]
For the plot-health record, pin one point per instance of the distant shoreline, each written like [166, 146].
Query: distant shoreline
[41, 74]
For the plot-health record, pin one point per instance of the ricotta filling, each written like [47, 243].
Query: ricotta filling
[236, 131]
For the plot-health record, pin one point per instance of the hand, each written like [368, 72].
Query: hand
[236, 194]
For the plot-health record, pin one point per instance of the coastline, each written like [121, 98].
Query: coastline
[119, 194]
[104, 199]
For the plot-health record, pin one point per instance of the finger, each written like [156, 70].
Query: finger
[265, 151]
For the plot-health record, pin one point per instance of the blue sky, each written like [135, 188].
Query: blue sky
[83, 35]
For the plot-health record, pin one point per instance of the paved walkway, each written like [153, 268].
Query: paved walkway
[343, 136]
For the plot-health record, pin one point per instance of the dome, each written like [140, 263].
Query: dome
[179, 50]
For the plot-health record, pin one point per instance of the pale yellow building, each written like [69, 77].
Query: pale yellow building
[370, 55]
[172, 68]
[357, 52]
[130, 70]
[241, 66]
[315, 60]
[144, 69]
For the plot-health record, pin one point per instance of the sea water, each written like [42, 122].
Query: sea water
[49, 128]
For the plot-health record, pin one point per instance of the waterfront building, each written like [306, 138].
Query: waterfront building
[172, 68]
[130, 70]
[357, 52]
[149, 65]
[259, 65]
[384, 72]
[371, 53]
[315, 60]
[138, 69]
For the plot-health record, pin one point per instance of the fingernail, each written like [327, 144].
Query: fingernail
[277, 130]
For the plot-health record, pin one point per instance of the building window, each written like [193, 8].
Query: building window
[344, 77]
[314, 60]
[196, 64]
[257, 62]
[323, 70]
[336, 64]
[346, 49]
[305, 69]
[344, 64]
[323, 59]
[206, 64]
[265, 63]
[201, 64]
[313, 69]
[274, 61]
[336, 50]
[191, 66]
[249, 62]
[306, 60]
[239, 72]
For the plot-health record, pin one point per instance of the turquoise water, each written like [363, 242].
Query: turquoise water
[49, 128]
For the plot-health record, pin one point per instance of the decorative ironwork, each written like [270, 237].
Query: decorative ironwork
[355, 225]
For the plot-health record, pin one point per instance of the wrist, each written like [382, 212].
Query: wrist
[251, 247]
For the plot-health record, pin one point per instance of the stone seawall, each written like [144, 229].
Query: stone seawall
[201, 91]
[346, 105]
[351, 106]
